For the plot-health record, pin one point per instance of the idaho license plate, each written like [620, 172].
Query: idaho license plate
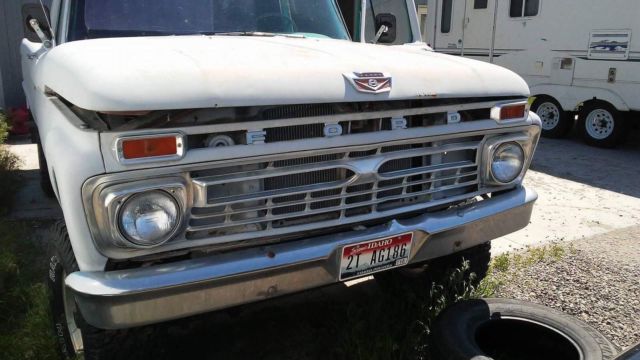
[374, 256]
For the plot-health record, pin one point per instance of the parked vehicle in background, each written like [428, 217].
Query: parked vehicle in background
[210, 156]
[578, 56]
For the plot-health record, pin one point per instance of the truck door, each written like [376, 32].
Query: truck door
[448, 16]
[399, 15]
[478, 28]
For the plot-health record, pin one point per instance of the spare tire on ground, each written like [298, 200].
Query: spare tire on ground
[515, 330]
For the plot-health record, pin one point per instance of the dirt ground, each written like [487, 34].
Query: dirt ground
[596, 281]
[583, 191]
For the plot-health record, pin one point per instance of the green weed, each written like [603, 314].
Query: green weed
[24, 312]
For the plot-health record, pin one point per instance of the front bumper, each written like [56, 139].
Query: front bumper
[128, 298]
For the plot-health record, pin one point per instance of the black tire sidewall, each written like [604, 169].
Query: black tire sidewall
[619, 129]
[55, 283]
[454, 330]
[564, 123]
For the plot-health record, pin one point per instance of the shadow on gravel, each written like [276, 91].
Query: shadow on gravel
[615, 170]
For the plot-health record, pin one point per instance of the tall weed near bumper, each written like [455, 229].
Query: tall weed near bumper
[397, 326]
[9, 163]
[24, 310]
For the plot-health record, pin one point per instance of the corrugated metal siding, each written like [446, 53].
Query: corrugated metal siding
[11, 34]
[1, 93]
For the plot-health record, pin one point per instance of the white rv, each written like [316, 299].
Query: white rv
[578, 56]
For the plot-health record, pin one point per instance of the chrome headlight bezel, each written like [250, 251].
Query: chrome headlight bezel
[526, 143]
[108, 200]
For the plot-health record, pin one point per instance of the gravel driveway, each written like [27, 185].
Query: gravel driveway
[598, 281]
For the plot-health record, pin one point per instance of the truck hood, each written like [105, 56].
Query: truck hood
[180, 72]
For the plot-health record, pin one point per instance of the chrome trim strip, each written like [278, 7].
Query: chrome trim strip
[332, 119]
[296, 147]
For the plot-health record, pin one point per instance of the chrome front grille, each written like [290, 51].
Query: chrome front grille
[300, 194]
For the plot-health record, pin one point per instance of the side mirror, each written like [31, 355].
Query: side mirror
[385, 28]
[36, 25]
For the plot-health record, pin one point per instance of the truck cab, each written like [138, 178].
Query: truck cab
[213, 153]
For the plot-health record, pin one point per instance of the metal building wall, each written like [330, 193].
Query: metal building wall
[1, 92]
[11, 34]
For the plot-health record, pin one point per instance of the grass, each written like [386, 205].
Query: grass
[503, 265]
[24, 314]
[8, 164]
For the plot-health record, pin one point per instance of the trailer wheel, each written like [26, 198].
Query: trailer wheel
[510, 329]
[602, 125]
[555, 122]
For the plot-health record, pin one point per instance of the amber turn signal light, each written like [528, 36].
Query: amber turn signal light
[514, 111]
[140, 148]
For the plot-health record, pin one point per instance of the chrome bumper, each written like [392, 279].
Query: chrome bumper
[128, 298]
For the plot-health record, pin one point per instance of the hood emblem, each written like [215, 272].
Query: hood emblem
[370, 82]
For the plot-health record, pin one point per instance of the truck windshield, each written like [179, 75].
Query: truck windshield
[92, 19]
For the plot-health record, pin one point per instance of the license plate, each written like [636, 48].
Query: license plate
[374, 256]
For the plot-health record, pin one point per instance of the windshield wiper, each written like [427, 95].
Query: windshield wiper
[254, 33]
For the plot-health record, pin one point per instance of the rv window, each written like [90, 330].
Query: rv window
[516, 8]
[480, 4]
[531, 7]
[520, 8]
[445, 23]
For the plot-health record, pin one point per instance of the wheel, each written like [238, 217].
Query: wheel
[555, 122]
[434, 270]
[602, 125]
[45, 180]
[76, 338]
[509, 329]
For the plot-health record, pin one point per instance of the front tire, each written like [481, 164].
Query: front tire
[555, 122]
[76, 338]
[602, 125]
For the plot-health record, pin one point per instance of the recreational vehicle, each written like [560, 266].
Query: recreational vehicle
[578, 56]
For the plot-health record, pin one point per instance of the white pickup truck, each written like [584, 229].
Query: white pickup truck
[212, 153]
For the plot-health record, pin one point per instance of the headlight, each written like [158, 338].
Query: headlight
[150, 218]
[507, 162]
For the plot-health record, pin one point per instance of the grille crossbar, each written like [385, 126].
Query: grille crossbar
[311, 200]
[300, 194]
